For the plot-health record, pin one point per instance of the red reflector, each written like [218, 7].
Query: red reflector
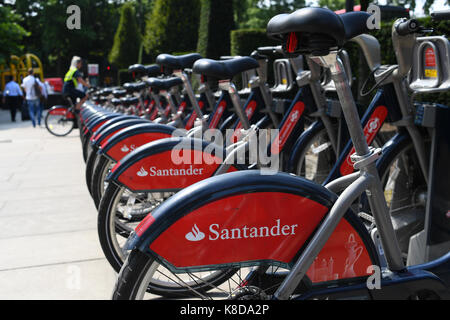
[292, 42]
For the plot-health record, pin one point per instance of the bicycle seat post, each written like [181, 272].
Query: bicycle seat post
[158, 105]
[190, 92]
[206, 89]
[261, 81]
[228, 86]
[169, 98]
[362, 152]
[319, 99]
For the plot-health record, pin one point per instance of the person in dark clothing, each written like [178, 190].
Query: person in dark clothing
[12, 97]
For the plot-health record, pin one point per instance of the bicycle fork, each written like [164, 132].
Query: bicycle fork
[368, 180]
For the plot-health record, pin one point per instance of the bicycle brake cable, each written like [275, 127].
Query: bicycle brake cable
[377, 83]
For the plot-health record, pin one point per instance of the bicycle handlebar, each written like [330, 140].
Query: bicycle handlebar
[441, 15]
[410, 26]
[268, 52]
[407, 27]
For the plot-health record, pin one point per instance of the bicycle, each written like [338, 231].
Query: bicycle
[60, 120]
[334, 253]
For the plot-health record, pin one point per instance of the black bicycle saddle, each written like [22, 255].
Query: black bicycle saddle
[163, 84]
[137, 68]
[119, 93]
[128, 101]
[177, 62]
[106, 92]
[116, 101]
[224, 69]
[138, 86]
[316, 30]
[128, 87]
[153, 70]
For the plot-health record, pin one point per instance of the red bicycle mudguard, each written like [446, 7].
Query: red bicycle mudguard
[133, 137]
[156, 167]
[229, 220]
[61, 111]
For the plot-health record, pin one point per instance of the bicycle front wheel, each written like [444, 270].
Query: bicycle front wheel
[59, 125]
[142, 275]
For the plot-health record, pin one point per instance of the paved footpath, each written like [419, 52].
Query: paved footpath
[48, 223]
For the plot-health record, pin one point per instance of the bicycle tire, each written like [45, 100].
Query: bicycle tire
[98, 177]
[49, 129]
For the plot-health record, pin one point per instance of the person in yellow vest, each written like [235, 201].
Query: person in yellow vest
[71, 80]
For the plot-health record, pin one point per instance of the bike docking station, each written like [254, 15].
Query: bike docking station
[276, 191]
[430, 73]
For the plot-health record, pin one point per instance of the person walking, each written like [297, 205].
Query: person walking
[71, 80]
[44, 97]
[32, 96]
[12, 97]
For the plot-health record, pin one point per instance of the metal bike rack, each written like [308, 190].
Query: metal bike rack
[246, 77]
[430, 71]
[284, 80]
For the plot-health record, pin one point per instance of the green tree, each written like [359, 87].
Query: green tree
[172, 26]
[332, 4]
[55, 44]
[11, 34]
[216, 23]
[127, 41]
[256, 13]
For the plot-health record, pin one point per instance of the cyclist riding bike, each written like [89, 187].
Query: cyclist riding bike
[71, 80]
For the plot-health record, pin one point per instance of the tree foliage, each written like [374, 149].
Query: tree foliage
[216, 23]
[127, 40]
[11, 34]
[332, 4]
[167, 25]
[172, 26]
[256, 13]
[55, 44]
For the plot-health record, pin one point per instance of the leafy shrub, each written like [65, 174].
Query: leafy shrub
[172, 27]
[127, 40]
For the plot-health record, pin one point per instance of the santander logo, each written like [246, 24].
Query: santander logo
[373, 125]
[155, 172]
[142, 172]
[195, 234]
[294, 116]
[125, 148]
[244, 232]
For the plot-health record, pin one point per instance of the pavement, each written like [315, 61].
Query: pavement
[49, 247]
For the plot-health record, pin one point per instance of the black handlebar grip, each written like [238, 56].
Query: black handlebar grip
[441, 15]
[407, 27]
